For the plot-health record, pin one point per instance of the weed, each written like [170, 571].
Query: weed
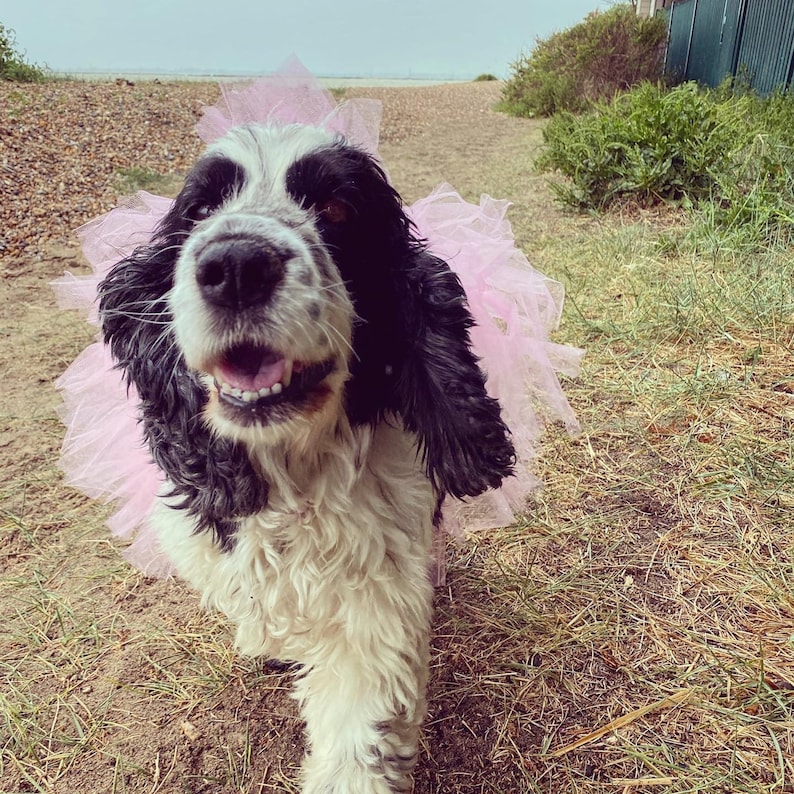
[131, 180]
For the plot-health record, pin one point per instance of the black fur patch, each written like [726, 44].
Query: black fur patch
[412, 347]
[212, 478]
[365, 246]
[214, 180]
[440, 388]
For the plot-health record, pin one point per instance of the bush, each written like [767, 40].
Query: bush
[487, 77]
[755, 183]
[729, 155]
[606, 53]
[12, 62]
[650, 144]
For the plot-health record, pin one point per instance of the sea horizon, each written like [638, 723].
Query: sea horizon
[328, 81]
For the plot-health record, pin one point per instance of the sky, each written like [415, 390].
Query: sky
[450, 39]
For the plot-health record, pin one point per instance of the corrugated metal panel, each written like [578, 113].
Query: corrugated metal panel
[710, 39]
[767, 44]
[713, 41]
[681, 19]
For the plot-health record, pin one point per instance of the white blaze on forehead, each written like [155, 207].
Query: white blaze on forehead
[266, 153]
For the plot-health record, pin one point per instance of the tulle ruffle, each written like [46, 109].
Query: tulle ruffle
[105, 456]
[292, 96]
[515, 308]
[104, 453]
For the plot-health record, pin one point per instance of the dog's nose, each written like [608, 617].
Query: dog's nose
[238, 273]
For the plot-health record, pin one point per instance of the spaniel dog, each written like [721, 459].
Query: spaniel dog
[308, 388]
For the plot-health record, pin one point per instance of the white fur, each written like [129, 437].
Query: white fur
[334, 576]
[334, 573]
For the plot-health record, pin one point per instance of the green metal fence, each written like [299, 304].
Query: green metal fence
[712, 39]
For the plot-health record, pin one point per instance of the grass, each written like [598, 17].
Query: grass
[66, 691]
[633, 632]
[658, 559]
[644, 608]
[131, 180]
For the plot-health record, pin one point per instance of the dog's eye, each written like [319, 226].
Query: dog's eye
[333, 211]
[202, 211]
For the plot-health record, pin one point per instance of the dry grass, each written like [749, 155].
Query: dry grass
[652, 578]
[634, 631]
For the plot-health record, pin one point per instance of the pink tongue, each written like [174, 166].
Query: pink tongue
[246, 378]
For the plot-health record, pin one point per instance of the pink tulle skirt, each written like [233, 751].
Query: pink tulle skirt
[515, 308]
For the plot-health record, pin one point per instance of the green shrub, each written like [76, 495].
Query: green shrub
[755, 194]
[487, 77]
[650, 144]
[12, 62]
[729, 156]
[606, 53]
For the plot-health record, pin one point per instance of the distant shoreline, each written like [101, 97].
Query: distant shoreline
[328, 82]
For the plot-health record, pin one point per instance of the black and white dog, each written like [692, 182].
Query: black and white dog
[308, 388]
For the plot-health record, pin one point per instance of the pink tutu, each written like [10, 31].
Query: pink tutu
[104, 453]
[515, 307]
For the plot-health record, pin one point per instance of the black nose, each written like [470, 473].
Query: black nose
[239, 273]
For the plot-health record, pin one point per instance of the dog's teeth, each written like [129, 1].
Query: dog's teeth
[250, 396]
[232, 391]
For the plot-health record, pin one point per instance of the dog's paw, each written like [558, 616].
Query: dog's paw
[354, 778]
[397, 760]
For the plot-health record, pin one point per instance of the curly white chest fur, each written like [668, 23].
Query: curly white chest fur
[340, 557]
[334, 575]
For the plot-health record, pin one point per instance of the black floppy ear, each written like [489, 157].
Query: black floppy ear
[440, 388]
[411, 338]
[212, 477]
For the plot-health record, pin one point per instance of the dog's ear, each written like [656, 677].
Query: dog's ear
[212, 478]
[411, 341]
[440, 387]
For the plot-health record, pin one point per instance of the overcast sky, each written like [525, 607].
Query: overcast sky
[363, 38]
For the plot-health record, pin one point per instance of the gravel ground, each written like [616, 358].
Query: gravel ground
[63, 145]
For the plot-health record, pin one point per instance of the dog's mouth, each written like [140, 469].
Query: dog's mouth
[254, 377]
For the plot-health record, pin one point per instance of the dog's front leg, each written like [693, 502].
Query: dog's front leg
[363, 706]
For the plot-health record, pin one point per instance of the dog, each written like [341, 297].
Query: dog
[307, 386]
